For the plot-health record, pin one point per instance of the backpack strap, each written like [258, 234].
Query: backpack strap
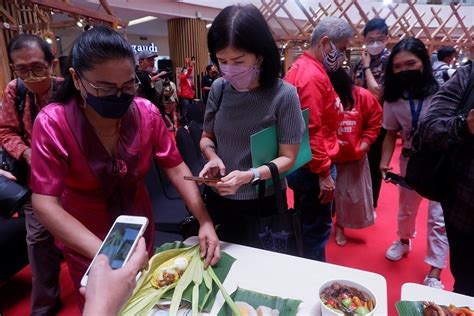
[445, 75]
[467, 100]
[20, 97]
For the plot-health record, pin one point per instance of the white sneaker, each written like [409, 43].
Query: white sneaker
[397, 250]
[433, 282]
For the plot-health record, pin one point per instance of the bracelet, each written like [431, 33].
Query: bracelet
[365, 68]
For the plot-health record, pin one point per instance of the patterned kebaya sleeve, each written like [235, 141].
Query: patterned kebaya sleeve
[10, 133]
[441, 127]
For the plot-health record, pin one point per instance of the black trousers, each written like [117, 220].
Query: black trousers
[375, 155]
[461, 259]
[237, 220]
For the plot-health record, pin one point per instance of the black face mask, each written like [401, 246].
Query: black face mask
[408, 78]
[111, 106]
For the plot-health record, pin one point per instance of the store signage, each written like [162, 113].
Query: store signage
[140, 48]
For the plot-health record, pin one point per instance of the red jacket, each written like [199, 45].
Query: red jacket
[185, 89]
[316, 93]
[362, 123]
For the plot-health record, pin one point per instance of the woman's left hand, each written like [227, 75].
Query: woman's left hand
[209, 244]
[231, 183]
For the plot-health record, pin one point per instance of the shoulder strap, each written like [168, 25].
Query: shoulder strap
[220, 96]
[20, 98]
[445, 75]
[467, 100]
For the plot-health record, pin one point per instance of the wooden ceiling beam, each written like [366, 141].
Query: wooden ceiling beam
[69, 8]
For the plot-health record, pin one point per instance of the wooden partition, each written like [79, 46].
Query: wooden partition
[188, 38]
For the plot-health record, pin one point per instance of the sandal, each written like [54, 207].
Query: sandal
[340, 237]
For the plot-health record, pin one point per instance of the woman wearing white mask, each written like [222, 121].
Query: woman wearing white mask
[249, 98]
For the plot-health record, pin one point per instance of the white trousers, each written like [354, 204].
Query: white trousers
[437, 241]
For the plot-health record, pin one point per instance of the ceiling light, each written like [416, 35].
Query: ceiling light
[80, 23]
[142, 20]
[208, 26]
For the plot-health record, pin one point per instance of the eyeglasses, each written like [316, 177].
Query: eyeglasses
[38, 70]
[106, 91]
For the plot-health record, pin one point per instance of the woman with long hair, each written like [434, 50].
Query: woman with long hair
[92, 149]
[409, 88]
[357, 131]
[249, 98]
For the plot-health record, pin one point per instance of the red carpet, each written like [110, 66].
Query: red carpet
[365, 250]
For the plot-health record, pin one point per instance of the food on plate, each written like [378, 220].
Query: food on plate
[246, 309]
[433, 309]
[347, 300]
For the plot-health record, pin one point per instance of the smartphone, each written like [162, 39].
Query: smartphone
[120, 241]
[397, 179]
[202, 179]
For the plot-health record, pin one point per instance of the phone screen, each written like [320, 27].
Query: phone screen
[119, 242]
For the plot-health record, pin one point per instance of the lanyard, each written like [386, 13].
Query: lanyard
[415, 113]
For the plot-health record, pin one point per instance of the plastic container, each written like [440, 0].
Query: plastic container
[326, 311]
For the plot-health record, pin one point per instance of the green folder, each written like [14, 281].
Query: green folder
[264, 146]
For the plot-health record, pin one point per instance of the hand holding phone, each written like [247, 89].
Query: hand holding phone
[107, 289]
[120, 242]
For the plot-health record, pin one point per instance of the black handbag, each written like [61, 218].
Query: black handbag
[282, 231]
[12, 196]
[428, 170]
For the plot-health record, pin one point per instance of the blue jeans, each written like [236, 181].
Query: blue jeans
[315, 217]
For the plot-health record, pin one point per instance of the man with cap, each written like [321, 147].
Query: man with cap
[151, 86]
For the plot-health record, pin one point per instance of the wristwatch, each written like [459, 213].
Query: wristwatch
[256, 177]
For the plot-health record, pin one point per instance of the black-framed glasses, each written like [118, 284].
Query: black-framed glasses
[38, 70]
[106, 91]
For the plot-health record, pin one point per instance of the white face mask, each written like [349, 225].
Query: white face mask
[375, 48]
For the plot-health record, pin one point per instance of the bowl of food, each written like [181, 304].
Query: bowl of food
[344, 297]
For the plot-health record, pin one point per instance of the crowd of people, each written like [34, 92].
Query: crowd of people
[87, 141]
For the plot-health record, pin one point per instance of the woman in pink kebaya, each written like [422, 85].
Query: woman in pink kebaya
[92, 149]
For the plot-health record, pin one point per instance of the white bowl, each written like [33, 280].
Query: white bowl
[326, 311]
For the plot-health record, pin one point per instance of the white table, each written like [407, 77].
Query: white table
[418, 292]
[291, 277]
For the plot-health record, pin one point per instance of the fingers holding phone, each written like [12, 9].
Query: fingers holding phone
[108, 289]
[384, 169]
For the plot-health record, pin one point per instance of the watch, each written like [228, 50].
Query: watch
[256, 177]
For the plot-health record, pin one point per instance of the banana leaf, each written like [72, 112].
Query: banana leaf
[286, 306]
[169, 250]
[409, 308]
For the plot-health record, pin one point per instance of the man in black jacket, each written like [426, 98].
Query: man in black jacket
[444, 129]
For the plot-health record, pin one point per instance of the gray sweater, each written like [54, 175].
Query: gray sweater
[242, 114]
